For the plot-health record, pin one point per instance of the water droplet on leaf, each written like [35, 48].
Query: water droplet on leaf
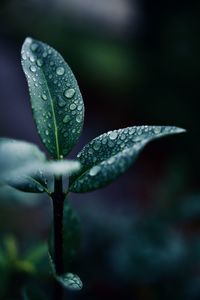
[72, 106]
[60, 71]
[69, 93]
[66, 119]
[113, 135]
[33, 69]
[34, 46]
[44, 97]
[40, 62]
[61, 102]
[94, 171]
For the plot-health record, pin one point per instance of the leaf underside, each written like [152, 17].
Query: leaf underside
[111, 154]
[56, 100]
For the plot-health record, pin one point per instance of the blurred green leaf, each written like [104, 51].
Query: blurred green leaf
[109, 155]
[35, 181]
[25, 167]
[56, 100]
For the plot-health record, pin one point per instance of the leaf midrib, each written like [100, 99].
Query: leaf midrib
[53, 115]
[37, 182]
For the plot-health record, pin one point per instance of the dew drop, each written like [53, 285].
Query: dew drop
[23, 56]
[97, 145]
[66, 119]
[113, 135]
[39, 62]
[33, 69]
[44, 97]
[122, 137]
[157, 129]
[79, 107]
[72, 106]
[34, 46]
[110, 144]
[61, 102]
[44, 54]
[32, 59]
[94, 171]
[40, 188]
[111, 160]
[78, 119]
[131, 131]
[90, 151]
[69, 93]
[47, 132]
[60, 71]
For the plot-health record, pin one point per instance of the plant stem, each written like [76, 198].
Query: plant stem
[58, 204]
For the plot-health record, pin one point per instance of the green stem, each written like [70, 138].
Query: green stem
[58, 204]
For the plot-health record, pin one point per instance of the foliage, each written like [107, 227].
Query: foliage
[58, 111]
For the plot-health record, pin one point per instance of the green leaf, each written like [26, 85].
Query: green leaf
[17, 154]
[71, 236]
[111, 154]
[70, 281]
[57, 103]
[19, 163]
[28, 180]
[34, 178]
[24, 166]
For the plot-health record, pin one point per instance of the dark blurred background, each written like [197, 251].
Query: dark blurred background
[137, 62]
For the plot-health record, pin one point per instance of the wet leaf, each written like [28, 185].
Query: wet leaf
[111, 154]
[57, 103]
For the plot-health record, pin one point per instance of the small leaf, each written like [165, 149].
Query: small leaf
[70, 281]
[28, 180]
[71, 236]
[24, 166]
[34, 178]
[20, 162]
[57, 103]
[111, 154]
[16, 154]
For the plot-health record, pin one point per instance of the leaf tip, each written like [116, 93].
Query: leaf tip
[180, 130]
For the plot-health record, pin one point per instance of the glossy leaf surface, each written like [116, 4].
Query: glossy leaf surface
[112, 153]
[57, 103]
